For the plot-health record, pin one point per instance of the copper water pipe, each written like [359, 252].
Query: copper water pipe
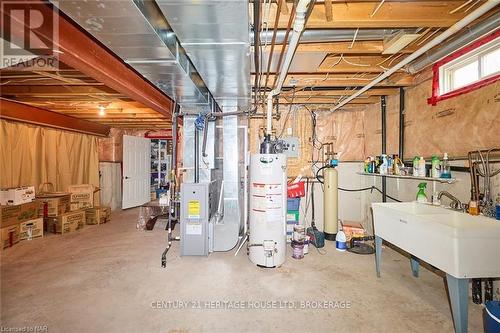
[273, 41]
[285, 39]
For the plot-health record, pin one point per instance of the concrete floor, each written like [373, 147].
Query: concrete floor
[106, 278]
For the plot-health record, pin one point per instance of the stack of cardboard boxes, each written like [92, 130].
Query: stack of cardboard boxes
[24, 216]
[19, 218]
[57, 215]
[98, 215]
[65, 212]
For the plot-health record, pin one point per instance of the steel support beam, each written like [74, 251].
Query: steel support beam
[401, 123]
[384, 142]
[82, 52]
[33, 115]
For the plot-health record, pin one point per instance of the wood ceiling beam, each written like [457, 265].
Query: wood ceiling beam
[340, 92]
[129, 113]
[96, 99]
[357, 63]
[78, 50]
[26, 113]
[136, 123]
[344, 80]
[50, 83]
[117, 116]
[359, 47]
[369, 100]
[348, 14]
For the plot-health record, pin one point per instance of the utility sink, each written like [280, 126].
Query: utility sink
[457, 243]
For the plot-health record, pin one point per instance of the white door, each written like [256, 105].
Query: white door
[136, 171]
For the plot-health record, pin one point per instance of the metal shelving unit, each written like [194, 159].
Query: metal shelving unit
[161, 161]
[426, 179]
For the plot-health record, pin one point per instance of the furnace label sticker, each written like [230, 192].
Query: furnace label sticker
[194, 229]
[193, 209]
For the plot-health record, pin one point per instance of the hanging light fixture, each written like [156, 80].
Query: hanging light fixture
[102, 110]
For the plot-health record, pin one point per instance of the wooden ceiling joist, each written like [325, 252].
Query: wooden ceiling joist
[346, 48]
[368, 100]
[78, 50]
[401, 14]
[60, 90]
[300, 80]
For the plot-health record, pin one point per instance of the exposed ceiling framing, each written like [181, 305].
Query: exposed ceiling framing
[343, 46]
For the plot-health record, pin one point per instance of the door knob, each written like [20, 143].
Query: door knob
[127, 177]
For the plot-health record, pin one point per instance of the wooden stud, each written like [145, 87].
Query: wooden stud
[328, 10]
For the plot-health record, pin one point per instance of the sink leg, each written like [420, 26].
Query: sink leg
[378, 254]
[458, 291]
[415, 265]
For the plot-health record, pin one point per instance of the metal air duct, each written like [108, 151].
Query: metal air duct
[491, 24]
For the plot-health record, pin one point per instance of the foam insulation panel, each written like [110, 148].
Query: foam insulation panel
[456, 125]
[343, 128]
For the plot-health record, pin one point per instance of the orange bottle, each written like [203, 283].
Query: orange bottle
[473, 208]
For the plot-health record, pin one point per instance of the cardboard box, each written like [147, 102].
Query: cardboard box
[352, 229]
[64, 223]
[17, 195]
[98, 215]
[10, 215]
[82, 196]
[53, 204]
[9, 236]
[31, 229]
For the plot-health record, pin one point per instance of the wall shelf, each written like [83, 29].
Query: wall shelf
[427, 179]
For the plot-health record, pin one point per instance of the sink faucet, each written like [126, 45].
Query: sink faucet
[455, 203]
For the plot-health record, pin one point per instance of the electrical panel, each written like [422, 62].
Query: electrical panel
[291, 146]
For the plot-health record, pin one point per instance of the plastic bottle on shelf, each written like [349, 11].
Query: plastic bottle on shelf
[384, 165]
[445, 167]
[421, 167]
[415, 166]
[435, 167]
[390, 167]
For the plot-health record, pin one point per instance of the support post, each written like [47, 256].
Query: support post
[171, 216]
[458, 291]
[378, 254]
[196, 155]
[401, 123]
[415, 265]
[384, 143]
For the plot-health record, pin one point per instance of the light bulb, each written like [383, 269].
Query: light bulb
[102, 111]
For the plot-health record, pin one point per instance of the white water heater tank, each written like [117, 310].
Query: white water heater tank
[268, 201]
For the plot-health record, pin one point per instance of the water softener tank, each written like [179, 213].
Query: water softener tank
[267, 220]
[330, 203]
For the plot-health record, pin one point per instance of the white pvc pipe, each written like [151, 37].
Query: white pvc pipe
[490, 4]
[298, 27]
[269, 116]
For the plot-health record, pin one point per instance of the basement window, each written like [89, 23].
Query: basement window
[468, 69]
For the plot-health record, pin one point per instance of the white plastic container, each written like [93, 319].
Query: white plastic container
[421, 167]
[17, 196]
[340, 241]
